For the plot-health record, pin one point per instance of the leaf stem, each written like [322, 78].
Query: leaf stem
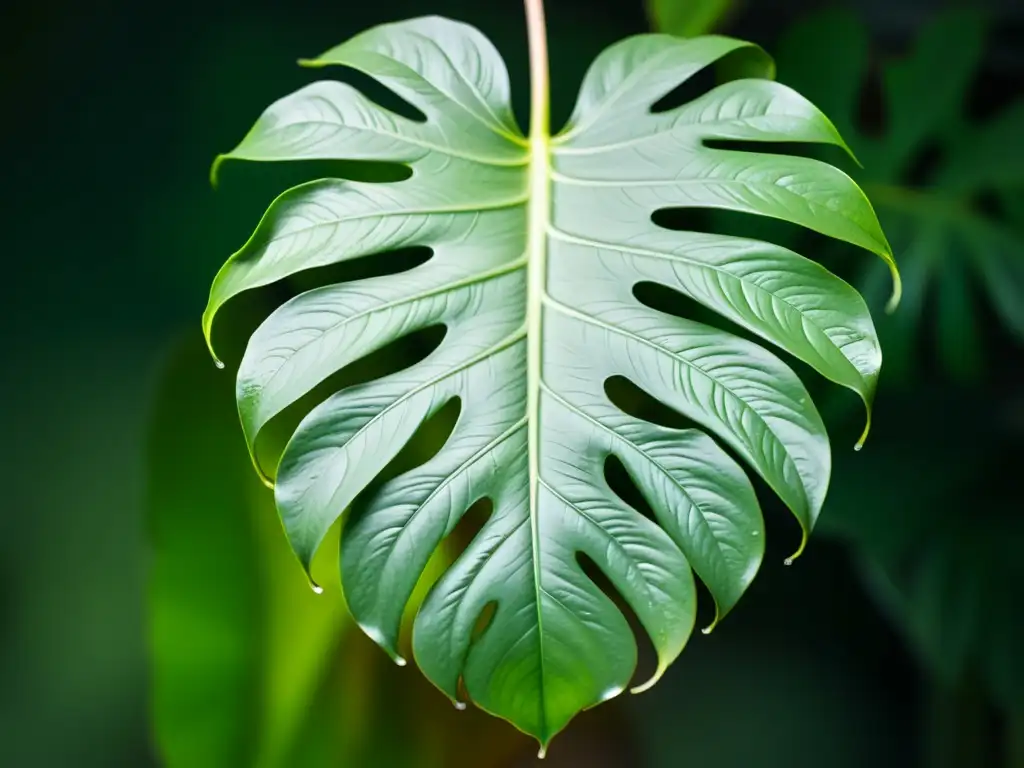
[539, 78]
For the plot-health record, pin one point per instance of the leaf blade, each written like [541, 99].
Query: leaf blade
[530, 343]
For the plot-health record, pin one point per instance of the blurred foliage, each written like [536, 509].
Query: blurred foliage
[938, 531]
[941, 179]
[938, 526]
[689, 18]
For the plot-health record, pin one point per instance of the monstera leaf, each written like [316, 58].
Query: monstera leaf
[537, 245]
[943, 181]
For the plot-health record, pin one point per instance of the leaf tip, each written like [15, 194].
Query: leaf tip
[897, 281]
[800, 550]
[897, 290]
[267, 480]
[215, 169]
[208, 336]
[542, 752]
[385, 644]
[662, 666]
[317, 589]
[867, 429]
[714, 623]
[312, 63]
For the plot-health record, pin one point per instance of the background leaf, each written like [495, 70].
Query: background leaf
[689, 18]
[928, 167]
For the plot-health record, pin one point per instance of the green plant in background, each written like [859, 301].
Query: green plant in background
[936, 533]
[689, 18]
[946, 186]
[537, 243]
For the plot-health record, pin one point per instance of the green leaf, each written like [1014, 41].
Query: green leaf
[688, 18]
[949, 240]
[825, 57]
[536, 247]
[986, 157]
[920, 106]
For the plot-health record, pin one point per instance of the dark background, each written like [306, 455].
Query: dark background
[893, 642]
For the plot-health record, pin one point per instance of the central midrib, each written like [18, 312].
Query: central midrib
[538, 218]
[537, 222]
[539, 214]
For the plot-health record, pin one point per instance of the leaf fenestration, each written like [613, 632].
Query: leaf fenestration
[555, 643]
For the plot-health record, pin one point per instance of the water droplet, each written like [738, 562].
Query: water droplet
[317, 589]
[788, 561]
[542, 753]
[219, 364]
[755, 533]
[460, 705]
[400, 661]
[706, 631]
[858, 446]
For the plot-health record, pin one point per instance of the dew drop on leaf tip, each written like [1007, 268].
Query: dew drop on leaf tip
[460, 705]
[317, 589]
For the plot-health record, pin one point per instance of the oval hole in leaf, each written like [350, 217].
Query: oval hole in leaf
[379, 93]
[836, 256]
[426, 441]
[619, 480]
[269, 179]
[826, 153]
[673, 302]
[646, 656]
[743, 62]
[631, 399]
[399, 354]
[483, 621]
[470, 524]
[624, 486]
[372, 265]
[719, 221]
[240, 316]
